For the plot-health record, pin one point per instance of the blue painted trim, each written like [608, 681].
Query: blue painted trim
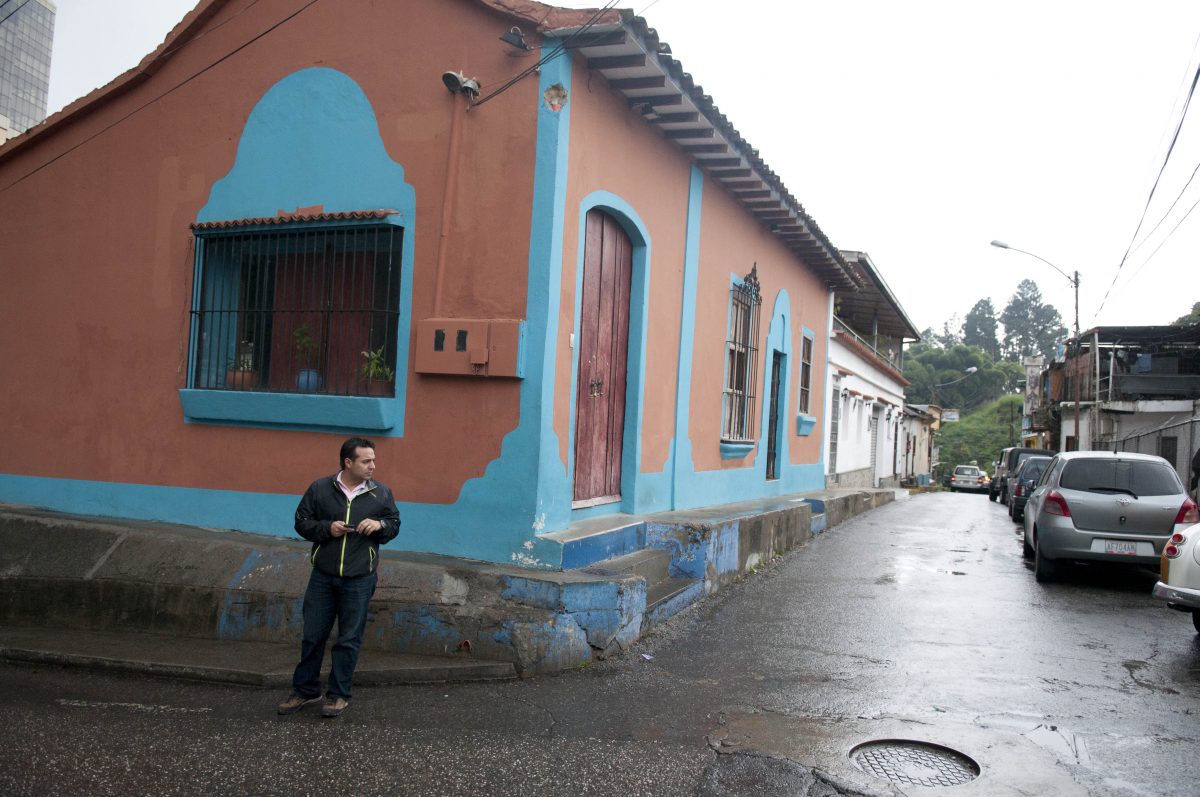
[682, 462]
[274, 410]
[729, 485]
[639, 305]
[263, 513]
[502, 515]
[805, 424]
[312, 139]
[731, 450]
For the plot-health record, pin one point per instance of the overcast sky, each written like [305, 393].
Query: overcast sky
[916, 131]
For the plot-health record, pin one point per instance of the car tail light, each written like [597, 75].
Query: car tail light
[1172, 550]
[1055, 504]
[1188, 513]
[1020, 491]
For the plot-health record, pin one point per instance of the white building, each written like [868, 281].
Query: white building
[864, 419]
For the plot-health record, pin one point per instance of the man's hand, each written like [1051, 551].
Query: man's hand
[369, 526]
[338, 528]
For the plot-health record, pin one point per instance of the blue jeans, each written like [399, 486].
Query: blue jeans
[326, 599]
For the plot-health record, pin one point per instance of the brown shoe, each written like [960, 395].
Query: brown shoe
[334, 706]
[296, 702]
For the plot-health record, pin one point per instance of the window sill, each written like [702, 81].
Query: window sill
[298, 410]
[731, 449]
[805, 424]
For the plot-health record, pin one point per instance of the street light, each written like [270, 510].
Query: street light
[1074, 284]
[933, 396]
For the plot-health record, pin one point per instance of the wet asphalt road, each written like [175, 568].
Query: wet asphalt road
[917, 620]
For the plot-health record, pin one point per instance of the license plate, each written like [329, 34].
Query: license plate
[1121, 548]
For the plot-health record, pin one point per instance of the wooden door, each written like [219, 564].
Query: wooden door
[603, 353]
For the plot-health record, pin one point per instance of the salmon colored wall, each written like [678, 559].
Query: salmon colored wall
[94, 314]
[739, 244]
[614, 150]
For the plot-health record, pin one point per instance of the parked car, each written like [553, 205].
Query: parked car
[1179, 584]
[1022, 482]
[1104, 506]
[968, 478]
[1010, 458]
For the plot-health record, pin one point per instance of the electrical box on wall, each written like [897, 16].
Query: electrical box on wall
[471, 347]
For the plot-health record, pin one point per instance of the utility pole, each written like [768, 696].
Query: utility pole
[1074, 284]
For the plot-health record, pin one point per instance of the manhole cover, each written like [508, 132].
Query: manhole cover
[914, 763]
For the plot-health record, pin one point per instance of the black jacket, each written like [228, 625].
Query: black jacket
[351, 554]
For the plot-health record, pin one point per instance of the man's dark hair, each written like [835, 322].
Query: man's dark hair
[350, 449]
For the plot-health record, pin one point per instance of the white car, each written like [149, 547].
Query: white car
[1180, 577]
[968, 478]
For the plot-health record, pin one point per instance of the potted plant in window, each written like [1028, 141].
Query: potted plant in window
[309, 378]
[240, 373]
[378, 376]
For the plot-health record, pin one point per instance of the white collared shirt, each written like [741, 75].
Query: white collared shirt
[350, 492]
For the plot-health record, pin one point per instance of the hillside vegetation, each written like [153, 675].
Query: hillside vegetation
[981, 434]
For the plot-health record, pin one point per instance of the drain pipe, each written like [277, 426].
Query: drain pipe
[458, 111]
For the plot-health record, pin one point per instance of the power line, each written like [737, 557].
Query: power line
[1167, 238]
[1174, 139]
[1182, 191]
[158, 97]
[549, 56]
[1195, 171]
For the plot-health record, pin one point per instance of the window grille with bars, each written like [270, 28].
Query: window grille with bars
[741, 363]
[297, 308]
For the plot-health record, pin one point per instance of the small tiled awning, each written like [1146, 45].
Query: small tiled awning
[294, 218]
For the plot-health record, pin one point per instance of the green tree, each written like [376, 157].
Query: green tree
[951, 333]
[980, 435]
[1030, 325]
[926, 366]
[980, 328]
[1191, 318]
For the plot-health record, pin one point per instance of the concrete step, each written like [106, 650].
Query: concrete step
[595, 540]
[253, 663]
[669, 596]
[651, 564]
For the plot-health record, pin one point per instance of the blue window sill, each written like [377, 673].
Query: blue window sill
[732, 450]
[288, 409]
[805, 424]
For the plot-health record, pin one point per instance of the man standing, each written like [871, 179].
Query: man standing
[347, 517]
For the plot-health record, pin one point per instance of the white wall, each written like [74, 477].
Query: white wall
[854, 431]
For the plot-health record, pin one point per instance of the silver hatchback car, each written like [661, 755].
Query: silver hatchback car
[1104, 506]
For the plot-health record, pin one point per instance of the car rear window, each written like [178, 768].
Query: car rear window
[1024, 455]
[1033, 470]
[966, 471]
[1114, 475]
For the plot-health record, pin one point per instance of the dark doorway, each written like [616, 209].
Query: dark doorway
[773, 416]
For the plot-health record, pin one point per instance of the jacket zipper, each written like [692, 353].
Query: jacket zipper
[346, 522]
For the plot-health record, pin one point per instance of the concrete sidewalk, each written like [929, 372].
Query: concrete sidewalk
[225, 661]
[226, 606]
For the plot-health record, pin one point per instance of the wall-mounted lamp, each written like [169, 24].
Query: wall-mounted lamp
[458, 83]
[515, 38]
